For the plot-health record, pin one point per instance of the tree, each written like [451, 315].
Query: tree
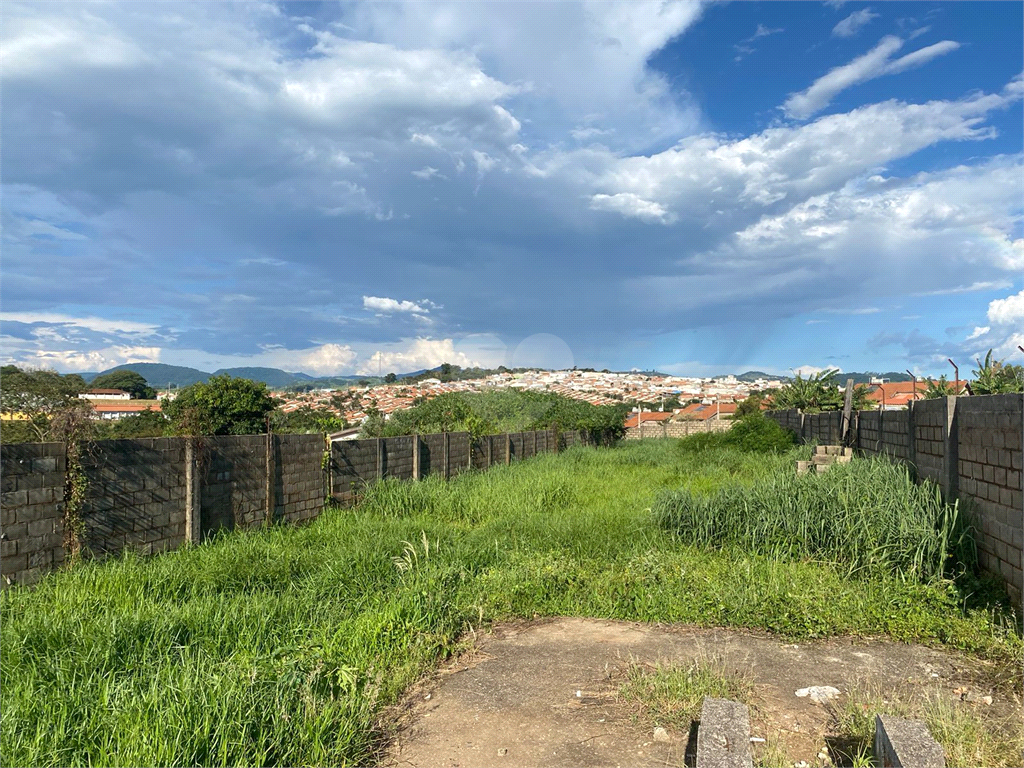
[36, 398]
[818, 392]
[306, 420]
[391, 378]
[144, 424]
[940, 388]
[223, 405]
[749, 406]
[127, 380]
[996, 377]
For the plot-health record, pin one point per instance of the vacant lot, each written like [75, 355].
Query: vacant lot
[284, 646]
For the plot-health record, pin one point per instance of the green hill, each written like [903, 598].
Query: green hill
[159, 375]
[274, 378]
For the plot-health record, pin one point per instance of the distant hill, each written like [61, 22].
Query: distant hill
[274, 378]
[755, 375]
[159, 375]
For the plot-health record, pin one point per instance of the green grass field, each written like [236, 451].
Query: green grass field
[282, 646]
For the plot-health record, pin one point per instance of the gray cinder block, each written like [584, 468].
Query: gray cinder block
[723, 738]
[906, 743]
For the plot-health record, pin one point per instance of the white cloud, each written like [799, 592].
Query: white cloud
[849, 26]
[325, 360]
[99, 324]
[875, 63]
[390, 306]
[90, 360]
[426, 173]
[779, 166]
[631, 205]
[1007, 311]
[413, 355]
[810, 370]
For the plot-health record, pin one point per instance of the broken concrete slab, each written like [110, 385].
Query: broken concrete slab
[906, 743]
[723, 738]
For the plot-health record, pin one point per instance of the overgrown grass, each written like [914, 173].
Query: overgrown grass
[281, 646]
[968, 734]
[672, 696]
[868, 516]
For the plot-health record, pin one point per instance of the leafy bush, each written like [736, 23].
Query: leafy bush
[754, 433]
[483, 413]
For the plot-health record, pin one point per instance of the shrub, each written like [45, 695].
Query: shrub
[754, 433]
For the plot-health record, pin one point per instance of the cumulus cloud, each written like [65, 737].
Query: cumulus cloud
[85, 360]
[1008, 311]
[629, 204]
[413, 355]
[875, 63]
[102, 325]
[389, 306]
[852, 24]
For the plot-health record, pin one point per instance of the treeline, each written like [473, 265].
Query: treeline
[42, 406]
[491, 413]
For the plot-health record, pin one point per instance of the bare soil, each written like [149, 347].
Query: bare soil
[545, 693]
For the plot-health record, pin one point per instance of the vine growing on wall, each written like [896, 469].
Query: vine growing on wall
[73, 427]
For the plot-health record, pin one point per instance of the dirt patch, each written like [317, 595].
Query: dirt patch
[546, 692]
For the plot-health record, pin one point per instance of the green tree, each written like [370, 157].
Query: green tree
[144, 424]
[127, 380]
[818, 392]
[390, 378]
[223, 405]
[940, 388]
[750, 405]
[306, 420]
[35, 399]
[996, 377]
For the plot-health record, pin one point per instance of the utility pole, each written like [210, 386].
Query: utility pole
[956, 372]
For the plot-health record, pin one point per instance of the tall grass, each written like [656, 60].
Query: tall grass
[281, 646]
[865, 516]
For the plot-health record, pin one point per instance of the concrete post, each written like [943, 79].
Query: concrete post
[445, 455]
[268, 512]
[490, 451]
[950, 452]
[416, 456]
[912, 437]
[193, 516]
[508, 448]
[380, 458]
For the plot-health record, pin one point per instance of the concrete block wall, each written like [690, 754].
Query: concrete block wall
[233, 491]
[930, 427]
[990, 451]
[135, 495]
[140, 493]
[676, 428]
[31, 510]
[971, 447]
[299, 487]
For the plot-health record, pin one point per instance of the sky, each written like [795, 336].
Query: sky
[345, 188]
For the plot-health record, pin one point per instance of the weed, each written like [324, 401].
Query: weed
[968, 735]
[672, 696]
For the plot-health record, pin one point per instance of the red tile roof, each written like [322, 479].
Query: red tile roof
[631, 421]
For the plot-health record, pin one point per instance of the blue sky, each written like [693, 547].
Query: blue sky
[698, 188]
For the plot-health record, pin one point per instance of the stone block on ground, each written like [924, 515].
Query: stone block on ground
[723, 738]
[904, 743]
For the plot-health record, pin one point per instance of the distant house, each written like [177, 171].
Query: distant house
[111, 411]
[706, 412]
[643, 418]
[105, 394]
